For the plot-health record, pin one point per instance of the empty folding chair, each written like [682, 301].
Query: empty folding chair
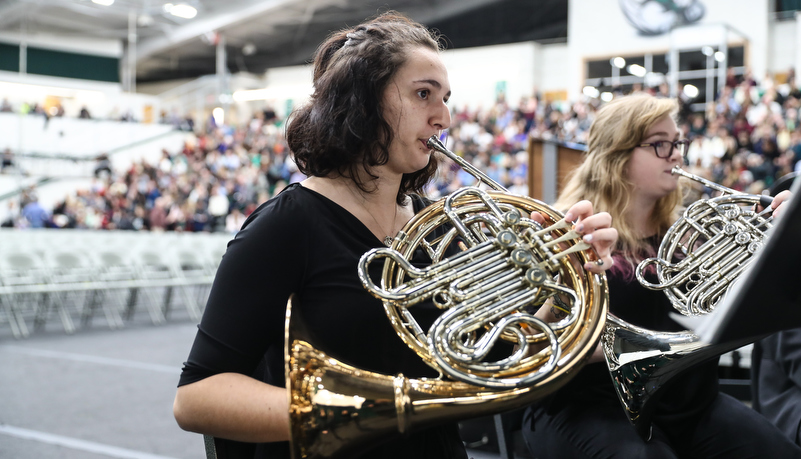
[17, 271]
[119, 280]
[154, 275]
[191, 269]
[26, 289]
[73, 280]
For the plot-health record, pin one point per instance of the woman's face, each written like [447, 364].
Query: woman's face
[414, 106]
[650, 174]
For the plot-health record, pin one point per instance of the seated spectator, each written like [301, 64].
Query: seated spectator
[12, 215]
[234, 221]
[7, 161]
[35, 215]
[103, 165]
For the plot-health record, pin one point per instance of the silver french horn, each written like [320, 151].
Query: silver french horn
[699, 259]
[713, 241]
[489, 291]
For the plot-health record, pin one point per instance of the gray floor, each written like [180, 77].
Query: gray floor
[99, 393]
[95, 394]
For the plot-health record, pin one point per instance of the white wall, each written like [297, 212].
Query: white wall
[288, 87]
[783, 47]
[476, 73]
[102, 99]
[72, 137]
[599, 29]
[797, 41]
[83, 45]
[553, 64]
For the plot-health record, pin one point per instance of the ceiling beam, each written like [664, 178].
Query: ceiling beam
[77, 27]
[304, 50]
[12, 14]
[445, 10]
[307, 17]
[217, 21]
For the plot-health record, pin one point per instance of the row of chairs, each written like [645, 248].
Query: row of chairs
[76, 274]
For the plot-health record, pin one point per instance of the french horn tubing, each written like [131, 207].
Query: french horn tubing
[491, 351]
[699, 259]
[713, 241]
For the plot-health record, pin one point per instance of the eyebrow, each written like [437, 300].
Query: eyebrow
[433, 83]
[678, 134]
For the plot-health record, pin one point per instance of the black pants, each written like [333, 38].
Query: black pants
[726, 429]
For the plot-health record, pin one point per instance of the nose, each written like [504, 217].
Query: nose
[675, 154]
[442, 117]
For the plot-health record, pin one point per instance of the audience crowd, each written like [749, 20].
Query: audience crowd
[747, 139]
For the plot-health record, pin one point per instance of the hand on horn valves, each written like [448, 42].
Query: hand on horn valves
[596, 229]
[778, 201]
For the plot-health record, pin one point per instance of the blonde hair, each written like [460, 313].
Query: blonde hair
[618, 128]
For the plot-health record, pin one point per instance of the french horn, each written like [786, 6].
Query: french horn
[699, 259]
[489, 291]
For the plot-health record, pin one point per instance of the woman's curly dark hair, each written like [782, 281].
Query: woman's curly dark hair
[342, 129]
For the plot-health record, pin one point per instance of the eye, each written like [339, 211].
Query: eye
[423, 93]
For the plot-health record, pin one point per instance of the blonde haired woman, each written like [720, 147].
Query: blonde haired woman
[633, 144]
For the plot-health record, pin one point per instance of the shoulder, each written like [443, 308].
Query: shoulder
[284, 218]
[291, 205]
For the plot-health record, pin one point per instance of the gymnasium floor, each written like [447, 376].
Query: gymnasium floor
[99, 393]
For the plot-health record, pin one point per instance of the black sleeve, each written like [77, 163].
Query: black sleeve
[244, 316]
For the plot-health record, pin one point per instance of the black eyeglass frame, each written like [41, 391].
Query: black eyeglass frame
[674, 144]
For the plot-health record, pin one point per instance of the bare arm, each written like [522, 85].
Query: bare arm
[235, 407]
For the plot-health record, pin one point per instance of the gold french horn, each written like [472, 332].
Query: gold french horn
[489, 292]
[699, 259]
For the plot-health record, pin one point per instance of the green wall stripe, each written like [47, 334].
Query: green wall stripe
[72, 65]
[9, 57]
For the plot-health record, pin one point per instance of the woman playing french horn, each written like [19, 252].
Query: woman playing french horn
[380, 91]
[633, 145]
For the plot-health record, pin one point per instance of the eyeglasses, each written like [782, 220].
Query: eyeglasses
[664, 148]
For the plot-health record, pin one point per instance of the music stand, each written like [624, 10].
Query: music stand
[767, 297]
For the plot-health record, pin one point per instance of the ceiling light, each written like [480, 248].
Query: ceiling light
[104, 2]
[607, 96]
[637, 70]
[654, 79]
[591, 91]
[690, 91]
[219, 116]
[249, 49]
[144, 20]
[181, 10]
[618, 62]
[720, 56]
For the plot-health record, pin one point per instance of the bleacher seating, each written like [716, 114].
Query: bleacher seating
[72, 137]
[74, 274]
